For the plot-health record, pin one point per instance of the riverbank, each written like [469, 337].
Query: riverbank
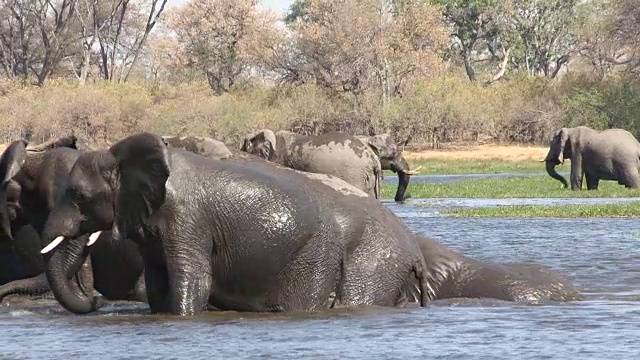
[493, 159]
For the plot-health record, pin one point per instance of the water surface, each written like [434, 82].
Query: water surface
[601, 256]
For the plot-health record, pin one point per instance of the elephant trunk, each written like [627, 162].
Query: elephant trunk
[551, 170]
[64, 257]
[401, 167]
[63, 264]
[403, 183]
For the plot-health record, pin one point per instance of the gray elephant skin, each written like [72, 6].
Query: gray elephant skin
[33, 178]
[390, 155]
[334, 153]
[453, 275]
[238, 234]
[204, 146]
[612, 154]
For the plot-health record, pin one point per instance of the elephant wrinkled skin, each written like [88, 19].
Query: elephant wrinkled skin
[334, 153]
[453, 275]
[238, 234]
[612, 154]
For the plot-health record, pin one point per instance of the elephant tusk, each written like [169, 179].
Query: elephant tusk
[52, 245]
[412, 172]
[418, 168]
[94, 237]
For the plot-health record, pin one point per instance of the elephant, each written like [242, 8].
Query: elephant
[239, 234]
[32, 180]
[453, 275]
[612, 154]
[390, 155]
[200, 145]
[333, 153]
[16, 255]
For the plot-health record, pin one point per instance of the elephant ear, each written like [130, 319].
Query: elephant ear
[564, 137]
[12, 160]
[143, 165]
[382, 146]
[262, 143]
[557, 147]
[247, 145]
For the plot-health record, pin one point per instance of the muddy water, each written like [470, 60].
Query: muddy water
[601, 256]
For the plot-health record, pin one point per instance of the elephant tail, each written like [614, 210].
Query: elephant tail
[422, 285]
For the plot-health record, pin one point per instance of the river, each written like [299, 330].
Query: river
[601, 256]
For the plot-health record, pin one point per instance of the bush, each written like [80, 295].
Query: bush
[444, 109]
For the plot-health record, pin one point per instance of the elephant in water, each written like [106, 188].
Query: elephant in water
[453, 275]
[238, 234]
[390, 155]
[33, 178]
[204, 146]
[612, 154]
[335, 153]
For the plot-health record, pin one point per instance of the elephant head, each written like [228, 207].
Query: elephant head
[113, 189]
[390, 155]
[261, 143]
[560, 148]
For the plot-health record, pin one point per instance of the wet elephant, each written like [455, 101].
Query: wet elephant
[201, 145]
[453, 275]
[613, 154]
[237, 234]
[390, 155]
[334, 153]
[33, 179]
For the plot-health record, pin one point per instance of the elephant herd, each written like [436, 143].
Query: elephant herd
[187, 224]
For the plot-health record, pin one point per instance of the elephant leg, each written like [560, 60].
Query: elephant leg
[576, 172]
[629, 177]
[139, 292]
[33, 286]
[592, 182]
[189, 276]
[157, 287]
[189, 288]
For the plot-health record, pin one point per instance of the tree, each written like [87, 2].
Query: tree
[93, 16]
[475, 25]
[548, 33]
[34, 36]
[219, 36]
[348, 47]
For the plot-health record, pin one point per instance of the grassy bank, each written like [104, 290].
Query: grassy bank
[631, 209]
[516, 187]
[474, 166]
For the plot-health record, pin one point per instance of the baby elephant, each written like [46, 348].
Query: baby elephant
[453, 275]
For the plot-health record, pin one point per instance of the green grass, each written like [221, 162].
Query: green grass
[471, 166]
[516, 187]
[631, 209]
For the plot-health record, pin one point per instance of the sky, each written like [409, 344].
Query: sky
[277, 5]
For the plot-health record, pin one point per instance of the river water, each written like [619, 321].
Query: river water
[601, 256]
